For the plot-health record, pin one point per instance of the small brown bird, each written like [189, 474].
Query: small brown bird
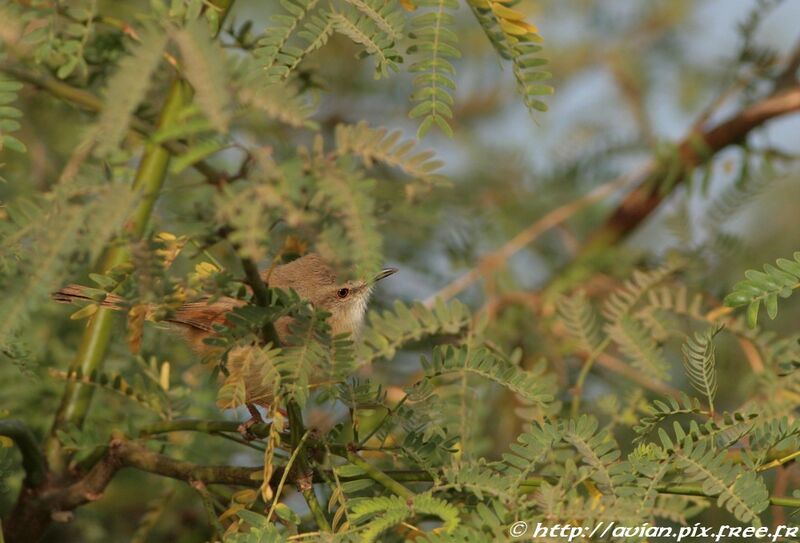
[310, 276]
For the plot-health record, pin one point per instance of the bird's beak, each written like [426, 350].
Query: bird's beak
[384, 273]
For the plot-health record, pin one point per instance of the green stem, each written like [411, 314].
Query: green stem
[33, 462]
[379, 477]
[285, 475]
[149, 179]
[316, 510]
[780, 461]
[305, 473]
[692, 490]
[784, 502]
[208, 505]
[587, 366]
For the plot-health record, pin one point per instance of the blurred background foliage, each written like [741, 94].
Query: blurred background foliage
[631, 80]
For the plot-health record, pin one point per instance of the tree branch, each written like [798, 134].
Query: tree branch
[788, 77]
[33, 461]
[696, 149]
[206, 426]
[32, 513]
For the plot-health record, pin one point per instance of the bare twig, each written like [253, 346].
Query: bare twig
[498, 258]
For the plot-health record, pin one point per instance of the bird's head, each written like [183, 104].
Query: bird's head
[315, 280]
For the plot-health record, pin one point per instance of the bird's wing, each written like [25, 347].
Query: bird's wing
[204, 314]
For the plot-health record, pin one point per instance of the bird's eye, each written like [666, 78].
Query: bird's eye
[343, 292]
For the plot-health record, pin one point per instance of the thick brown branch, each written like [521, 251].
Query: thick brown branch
[136, 456]
[696, 149]
[38, 505]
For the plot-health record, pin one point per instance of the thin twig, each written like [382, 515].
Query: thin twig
[498, 257]
[613, 364]
[285, 475]
[206, 426]
[389, 413]
[208, 505]
[780, 461]
[378, 476]
[240, 441]
[577, 390]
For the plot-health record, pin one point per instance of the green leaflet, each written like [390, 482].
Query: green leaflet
[435, 44]
[127, 87]
[205, 64]
[581, 321]
[8, 116]
[531, 385]
[699, 361]
[366, 32]
[741, 492]
[765, 287]
[386, 512]
[379, 145]
[389, 331]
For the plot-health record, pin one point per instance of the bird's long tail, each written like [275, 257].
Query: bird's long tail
[73, 293]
